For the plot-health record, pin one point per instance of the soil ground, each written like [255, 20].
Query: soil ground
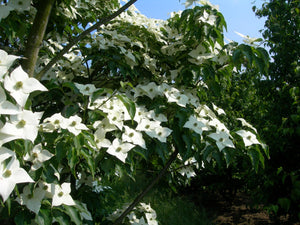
[238, 212]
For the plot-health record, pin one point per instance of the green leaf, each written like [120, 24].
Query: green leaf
[23, 218]
[89, 159]
[43, 217]
[73, 214]
[229, 154]
[60, 151]
[255, 158]
[61, 218]
[284, 203]
[129, 104]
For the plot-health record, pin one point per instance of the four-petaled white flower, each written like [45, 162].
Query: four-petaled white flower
[37, 156]
[61, 195]
[161, 133]
[10, 173]
[24, 125]
[32, 199]
[248, 137]
[20, 85]
[197, 125]
[222, 140]
[73, 124]
[133, 136]
[53, 123]
[86, 89]
[174, 95]
[120, 149]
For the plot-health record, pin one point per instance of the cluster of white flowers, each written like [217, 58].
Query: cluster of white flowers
[143, 214]
[20, 123]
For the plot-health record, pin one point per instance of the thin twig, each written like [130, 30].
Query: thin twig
[148, 188]
[82, 35]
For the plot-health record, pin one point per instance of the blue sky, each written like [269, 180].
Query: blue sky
[238, 14]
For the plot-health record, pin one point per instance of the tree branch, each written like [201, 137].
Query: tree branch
[82, 35]
[36, 35]
[148, 188]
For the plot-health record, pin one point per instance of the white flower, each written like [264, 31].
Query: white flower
[20, 85]
[19, 5]
[132, 136]
[10, 174]
[104, 124]
[7, 107]
[37, 156]
[24, 125]
[187, 171]
[86, 89]
[174, 95]
[246, 124]
[222, 140]
[196, 124]
[116, 118]
[100, 139]
[32, 199]
[157, 116]
[53, 123]
[5, 60]
[219, 126]
[206, 18]
[248, 137]
[151, 90]
[147, 125]
[61, 195]
[218, 110]
[73, 124]
[119, 149]
[161, 133]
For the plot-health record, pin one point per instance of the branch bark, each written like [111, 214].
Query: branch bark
[82, 35]
[36, 35]
[148, 188]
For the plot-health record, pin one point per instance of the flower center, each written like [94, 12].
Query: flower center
[131, 135]
[118, 149]
[7, 174]
[60, 194]
[18, 85]
[35, 155]
[159, 133]
[73, 124]
[147, 126]
[56, 122]
[30, 196]
[114, 119]
[195, 124]
[87, 89]
[249, 137]
[21, 124]
[221, 139]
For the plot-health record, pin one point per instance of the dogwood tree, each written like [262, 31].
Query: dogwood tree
[93, 90]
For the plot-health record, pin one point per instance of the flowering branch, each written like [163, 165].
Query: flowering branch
[82, 35]
[148, 188]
